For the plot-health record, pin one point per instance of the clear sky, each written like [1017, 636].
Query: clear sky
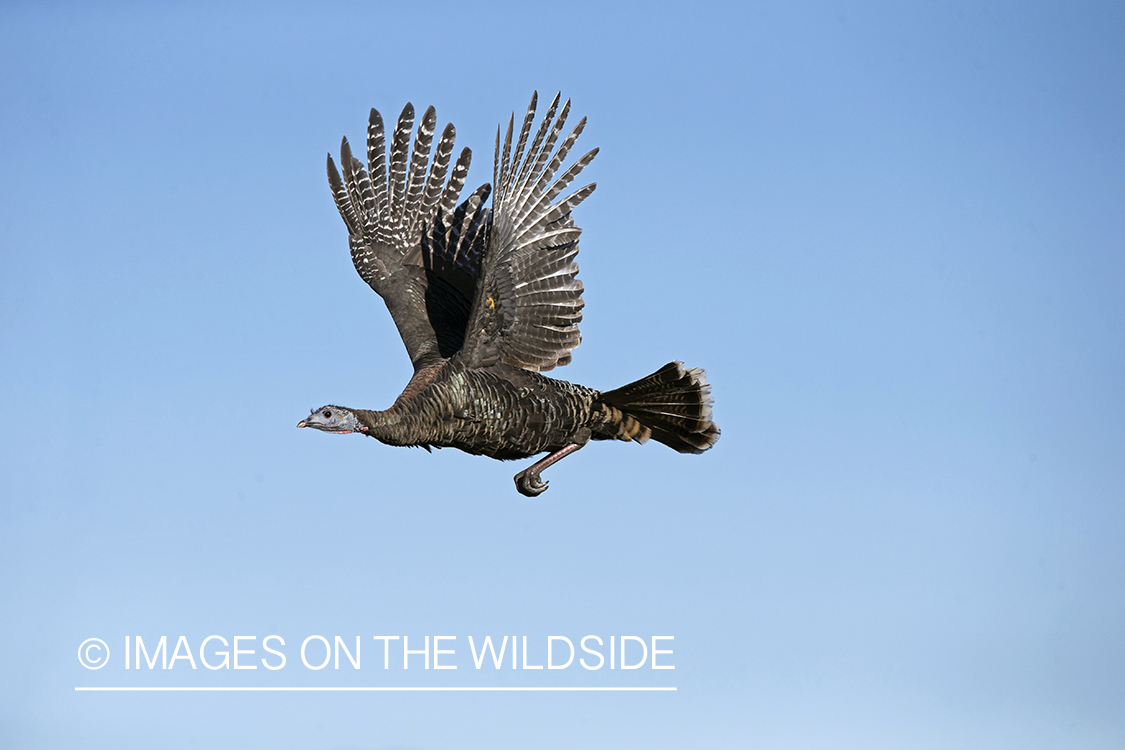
[891, 233]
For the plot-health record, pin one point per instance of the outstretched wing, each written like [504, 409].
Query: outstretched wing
[389, 208]
[528, 303]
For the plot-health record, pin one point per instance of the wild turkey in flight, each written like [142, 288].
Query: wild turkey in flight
[487, 299]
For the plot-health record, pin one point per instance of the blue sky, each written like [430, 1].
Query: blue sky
[891, 235]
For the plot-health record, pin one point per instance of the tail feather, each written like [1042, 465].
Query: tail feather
[672, 406]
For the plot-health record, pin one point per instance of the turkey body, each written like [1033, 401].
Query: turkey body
[503, 412]
[486, 299]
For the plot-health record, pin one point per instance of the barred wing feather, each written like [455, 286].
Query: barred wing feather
[390, 207]
[528, 304]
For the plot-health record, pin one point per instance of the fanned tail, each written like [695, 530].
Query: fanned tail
[672, 406]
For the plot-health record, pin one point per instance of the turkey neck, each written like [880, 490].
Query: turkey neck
[391, 426]
[402, 423]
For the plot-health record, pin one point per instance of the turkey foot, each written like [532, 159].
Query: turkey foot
[528, 482]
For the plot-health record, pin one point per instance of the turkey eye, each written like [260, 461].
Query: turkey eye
[328, 415]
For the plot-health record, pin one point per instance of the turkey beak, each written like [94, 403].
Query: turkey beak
[302, 423]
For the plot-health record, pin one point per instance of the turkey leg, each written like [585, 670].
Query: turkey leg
[528, 482]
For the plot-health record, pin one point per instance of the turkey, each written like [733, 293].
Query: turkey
[486, 300]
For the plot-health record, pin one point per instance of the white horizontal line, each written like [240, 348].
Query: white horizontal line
[370, 689]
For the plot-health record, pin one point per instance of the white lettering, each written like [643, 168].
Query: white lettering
[437, 651]
[644, 658]
[266, 646]
[161, 648]
[601, 659]
[176, 652]
[386, 639]
[224, 654]
[238, 651]
[656, 638]
[550, 641]
[488, 645]
[327, 652]
[339, 645]
[406, 652]
[525, 664]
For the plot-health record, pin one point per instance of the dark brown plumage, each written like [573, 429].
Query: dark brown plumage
[487, 299]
